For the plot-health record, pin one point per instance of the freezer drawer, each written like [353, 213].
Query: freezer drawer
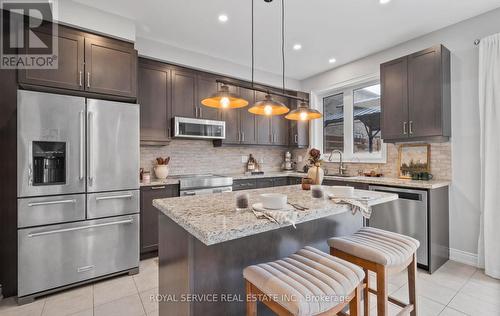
[59, 255]
[50, 210]
[407, 215]
[112, 203]
[112, 146]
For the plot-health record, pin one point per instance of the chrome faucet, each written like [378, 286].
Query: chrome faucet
[342, 169]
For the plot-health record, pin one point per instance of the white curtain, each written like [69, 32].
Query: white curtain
[489, 111]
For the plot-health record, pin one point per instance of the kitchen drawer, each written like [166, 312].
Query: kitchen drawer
[244, 184]
[294, 180]
[58, 255]
[112, 203]
[279, 182]
[265, 183]
[50, 210]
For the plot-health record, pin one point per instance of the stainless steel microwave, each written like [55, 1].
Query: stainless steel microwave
[185, 127]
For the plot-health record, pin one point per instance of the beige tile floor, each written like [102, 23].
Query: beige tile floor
[455, 289]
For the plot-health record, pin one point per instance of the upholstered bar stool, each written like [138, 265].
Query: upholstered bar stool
[309, 282]
[384, 253]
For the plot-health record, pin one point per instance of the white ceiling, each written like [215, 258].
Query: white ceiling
[344, 29]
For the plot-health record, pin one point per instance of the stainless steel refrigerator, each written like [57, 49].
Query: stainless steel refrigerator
[78, 190]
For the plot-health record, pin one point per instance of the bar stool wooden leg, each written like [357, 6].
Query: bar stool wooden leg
[366, 293]
[412, 277]
[382, 293]
[251, 302]
[354, 304]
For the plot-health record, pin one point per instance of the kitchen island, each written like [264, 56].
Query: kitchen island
[204, 244]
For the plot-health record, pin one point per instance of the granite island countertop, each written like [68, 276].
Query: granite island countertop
[213, 219]
[395, 182]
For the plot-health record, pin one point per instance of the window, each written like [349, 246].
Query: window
[366, 120]
[333, 120]
[351, 122]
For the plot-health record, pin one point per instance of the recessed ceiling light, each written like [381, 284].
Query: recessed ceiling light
[332, 60]
[223, 18]
[297, 47]
[384, 1]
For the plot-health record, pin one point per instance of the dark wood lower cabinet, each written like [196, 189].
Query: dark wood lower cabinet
[149, 216]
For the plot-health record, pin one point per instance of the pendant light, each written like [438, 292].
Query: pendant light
[223, 99]
[303, 113]
[268, 106]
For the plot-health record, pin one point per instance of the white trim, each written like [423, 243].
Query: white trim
[464, 257]
[316, 126]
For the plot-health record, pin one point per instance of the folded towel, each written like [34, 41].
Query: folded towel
[279, 217]
[356, 206]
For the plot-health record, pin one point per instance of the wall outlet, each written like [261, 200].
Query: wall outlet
[244, 159]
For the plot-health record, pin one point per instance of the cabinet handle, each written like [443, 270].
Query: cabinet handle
[411, 127]
[296, 139]
[51, 203]
[158, 188]
[201, 112]
[80, 78]
[88, 79]
[242, 136]
[404, 128]
[168, 132]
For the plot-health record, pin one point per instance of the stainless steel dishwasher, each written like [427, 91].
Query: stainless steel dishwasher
[408, 216]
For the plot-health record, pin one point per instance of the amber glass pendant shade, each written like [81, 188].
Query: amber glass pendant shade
[268, 107]
[303, 113]
[223, 99]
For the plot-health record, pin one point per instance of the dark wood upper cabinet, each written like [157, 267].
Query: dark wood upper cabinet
[70, 70]
[280, 125]
[154, 100]
[429, 93]
[394, 99]
[264, 131]
[207, 85]
[416, 96]
[248, 128]
[184, 101]
[299, 130]
[89, 64]
[110, 68]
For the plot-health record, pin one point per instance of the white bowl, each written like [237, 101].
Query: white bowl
[341, 191]
[273, 201]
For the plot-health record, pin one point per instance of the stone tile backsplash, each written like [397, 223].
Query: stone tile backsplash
[199, 156]
[440, 162]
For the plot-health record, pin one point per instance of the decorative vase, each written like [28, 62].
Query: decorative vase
[161, 171]
[316, 174]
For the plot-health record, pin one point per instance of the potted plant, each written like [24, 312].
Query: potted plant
[161, 169]
[315, 172]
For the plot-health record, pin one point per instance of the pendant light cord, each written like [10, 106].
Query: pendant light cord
[253, 57]
[283, 40]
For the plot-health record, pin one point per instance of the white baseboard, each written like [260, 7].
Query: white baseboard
[464, 257]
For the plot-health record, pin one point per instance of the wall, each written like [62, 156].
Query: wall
[199, 156]
[459, 38]
[78, 15]
[440, 162]
[165, 52]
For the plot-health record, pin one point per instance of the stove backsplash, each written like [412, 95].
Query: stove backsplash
[200, 156]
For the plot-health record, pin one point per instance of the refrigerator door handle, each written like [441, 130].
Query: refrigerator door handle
[91, 147]
[82, 145]
[72, 201]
